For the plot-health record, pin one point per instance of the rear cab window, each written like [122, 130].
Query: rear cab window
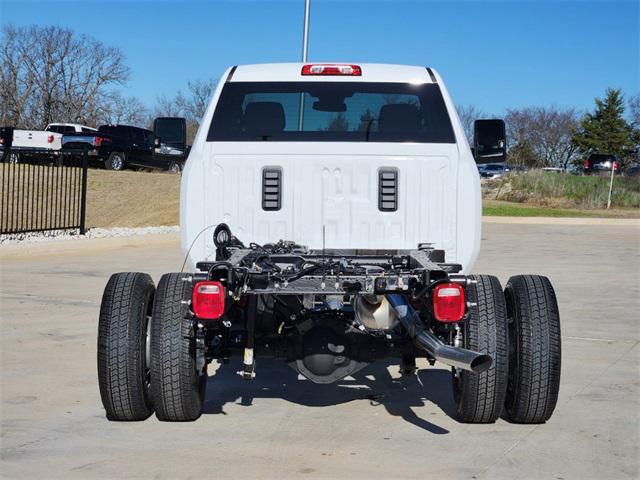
[598, 158]
[331, 112]
[64, 129]
[116, 131]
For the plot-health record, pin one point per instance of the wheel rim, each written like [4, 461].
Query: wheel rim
[116, 162]
[175, 168]
[147, 355]
[13, 159]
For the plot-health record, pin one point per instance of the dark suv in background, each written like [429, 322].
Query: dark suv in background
[126, 145]
[120, 146]
[601, 164]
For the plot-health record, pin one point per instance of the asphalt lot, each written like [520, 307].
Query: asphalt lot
[374, 426]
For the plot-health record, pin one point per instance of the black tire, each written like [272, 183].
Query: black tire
[115, 161]
[177, 385]
[123, 373]
[174, 167]
[13, 158]
[535, 352]
[480, 397]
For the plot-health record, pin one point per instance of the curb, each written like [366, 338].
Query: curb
[623, 222]
[79, 246]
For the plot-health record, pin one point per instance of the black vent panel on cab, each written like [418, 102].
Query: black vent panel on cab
[271, 188]
[388, 189]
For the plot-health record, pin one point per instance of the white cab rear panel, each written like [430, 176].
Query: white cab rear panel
[335, 185]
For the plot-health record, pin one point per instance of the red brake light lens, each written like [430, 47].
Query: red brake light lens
[50, 139]
[208, 300]
[349, 70]
[586, 164]
[615, 166]
[98, 141]
[448, 302]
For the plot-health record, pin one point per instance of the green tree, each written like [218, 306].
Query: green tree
[606, 130]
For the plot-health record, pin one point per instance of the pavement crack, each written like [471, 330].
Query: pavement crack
[484, 471]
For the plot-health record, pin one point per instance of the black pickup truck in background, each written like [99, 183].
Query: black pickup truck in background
[120, 146]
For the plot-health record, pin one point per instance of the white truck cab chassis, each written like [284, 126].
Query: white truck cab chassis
[330, 217]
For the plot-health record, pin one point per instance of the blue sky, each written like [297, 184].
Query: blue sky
[492, 54]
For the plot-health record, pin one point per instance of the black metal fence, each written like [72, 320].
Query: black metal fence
[43, 191]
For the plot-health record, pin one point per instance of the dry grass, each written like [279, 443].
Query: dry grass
[141, 199]
[555, 191]
[132, 199]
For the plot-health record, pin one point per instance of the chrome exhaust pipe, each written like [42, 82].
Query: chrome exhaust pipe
[425, 340]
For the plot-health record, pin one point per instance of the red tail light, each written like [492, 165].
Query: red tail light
[448, 302]
[353, 70]
[615, 166]
[50, 139]
[586, 164]
[98, 141]
[208, 300]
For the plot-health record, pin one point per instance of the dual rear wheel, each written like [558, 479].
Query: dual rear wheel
[147, 352]
[520, 329]
[148, 357]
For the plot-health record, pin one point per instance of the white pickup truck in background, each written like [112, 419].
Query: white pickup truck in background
[49, 141]
[37, 139]
[33, 141]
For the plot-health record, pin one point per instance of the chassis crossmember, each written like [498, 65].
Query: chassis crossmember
[329, 313]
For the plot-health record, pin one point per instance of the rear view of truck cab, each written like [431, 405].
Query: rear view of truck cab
[369, 153]
[330, 217]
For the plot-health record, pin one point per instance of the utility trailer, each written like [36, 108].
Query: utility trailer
[358, 198]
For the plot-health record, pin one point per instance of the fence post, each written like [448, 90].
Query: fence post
[83, 200]
[610, 186]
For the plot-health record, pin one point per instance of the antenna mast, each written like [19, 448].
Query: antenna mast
[305, 49]
[305, 32]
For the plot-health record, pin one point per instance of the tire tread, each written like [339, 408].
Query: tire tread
[482, 394]
[120, 357]
[174, 382]
[533, 392]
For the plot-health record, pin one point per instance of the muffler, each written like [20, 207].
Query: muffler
[425, 340]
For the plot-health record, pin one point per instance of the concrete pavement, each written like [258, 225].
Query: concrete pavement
[377, 425]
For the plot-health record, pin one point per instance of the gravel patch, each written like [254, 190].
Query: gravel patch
[38, 237]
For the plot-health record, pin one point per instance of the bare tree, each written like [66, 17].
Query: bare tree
[190, 105]
[197, 98]
[52, 74]
[125, 110]
[469, 114]
[544, 133]
[16, 81]
[634, 110]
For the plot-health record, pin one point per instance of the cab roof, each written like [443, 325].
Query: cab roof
[370, 72]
